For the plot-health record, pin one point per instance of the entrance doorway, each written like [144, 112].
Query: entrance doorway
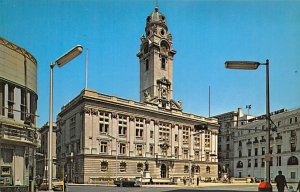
[163, 171]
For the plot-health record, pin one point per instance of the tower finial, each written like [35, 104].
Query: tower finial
[156, 5]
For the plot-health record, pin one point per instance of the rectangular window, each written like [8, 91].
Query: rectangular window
[207, 139]
[139, 128]
[197, 157]
[262, 162]
[147, 64]
[10, 102]
[163, 63]
[151, 134]
[279, 161]
[139, 149]
[227, 138]
[249, 152]
[151, 150]
[249, 162]
[296, 119]
[176, 152]
[293, 147]
[122, 167]
[103, 147]
[255, 163]
[240, 153]
[293, 175]
[122, 149]
[186, 169]
[103, 122]
[73, 127]
[33, 106]
[122, 125]
[271, 161]
[291, 120]
[23, 105]
[176, 137]
[185, 154]
[164, 132]
[227, 146]
[104, 166]
[278, 148]
[262, 151]
[256, 151]
[279, 123]
[197, 140]
[185, 134]
[139, 167]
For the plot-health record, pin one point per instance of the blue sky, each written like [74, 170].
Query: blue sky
[205, 35]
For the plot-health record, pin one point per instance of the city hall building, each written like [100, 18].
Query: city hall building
[102, 137]
[18, 103]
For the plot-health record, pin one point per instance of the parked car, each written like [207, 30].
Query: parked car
[124, 182]
[57, 185]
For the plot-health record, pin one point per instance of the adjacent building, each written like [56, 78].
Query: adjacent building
[102, 137]
[250, 146]
[18, 103]
[42, 152]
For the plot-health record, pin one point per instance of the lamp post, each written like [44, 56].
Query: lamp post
[59, 62]
[253, 65]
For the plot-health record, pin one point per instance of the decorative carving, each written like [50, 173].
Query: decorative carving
[114, 115]
[131, 118]
[156, 122]
[146, 95]
[94, 111]
[147, 121]
[164, 146]
[86, 110]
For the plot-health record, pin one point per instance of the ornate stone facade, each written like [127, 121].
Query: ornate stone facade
[105, 137]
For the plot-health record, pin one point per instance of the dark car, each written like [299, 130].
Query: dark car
[124, 182]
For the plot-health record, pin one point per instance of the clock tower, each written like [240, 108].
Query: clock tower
[156, 63]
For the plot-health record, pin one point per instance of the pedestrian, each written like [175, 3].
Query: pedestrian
[298, 187]
[184, 181]
[198, 181]
[280, 182]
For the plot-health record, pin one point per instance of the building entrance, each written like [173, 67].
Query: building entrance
[163, 171]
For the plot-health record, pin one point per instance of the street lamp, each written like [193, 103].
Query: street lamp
[59, 62]
[253, 65]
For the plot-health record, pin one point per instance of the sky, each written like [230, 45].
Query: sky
[206, 33]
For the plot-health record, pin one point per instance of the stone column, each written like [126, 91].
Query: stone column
[180, 141]
[131, 136]
[114, 132]
[156, 133]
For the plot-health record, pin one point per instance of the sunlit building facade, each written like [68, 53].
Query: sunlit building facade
[102, 137]
[250, 146]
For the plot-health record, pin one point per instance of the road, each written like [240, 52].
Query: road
[162, 189]
[206, 187]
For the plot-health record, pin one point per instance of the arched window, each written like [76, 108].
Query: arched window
[207, 169]
[239, 164]
[292, 161]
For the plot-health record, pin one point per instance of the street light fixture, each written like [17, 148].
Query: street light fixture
[59, 62]
[252, 65]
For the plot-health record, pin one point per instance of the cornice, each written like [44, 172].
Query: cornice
[18, 49]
